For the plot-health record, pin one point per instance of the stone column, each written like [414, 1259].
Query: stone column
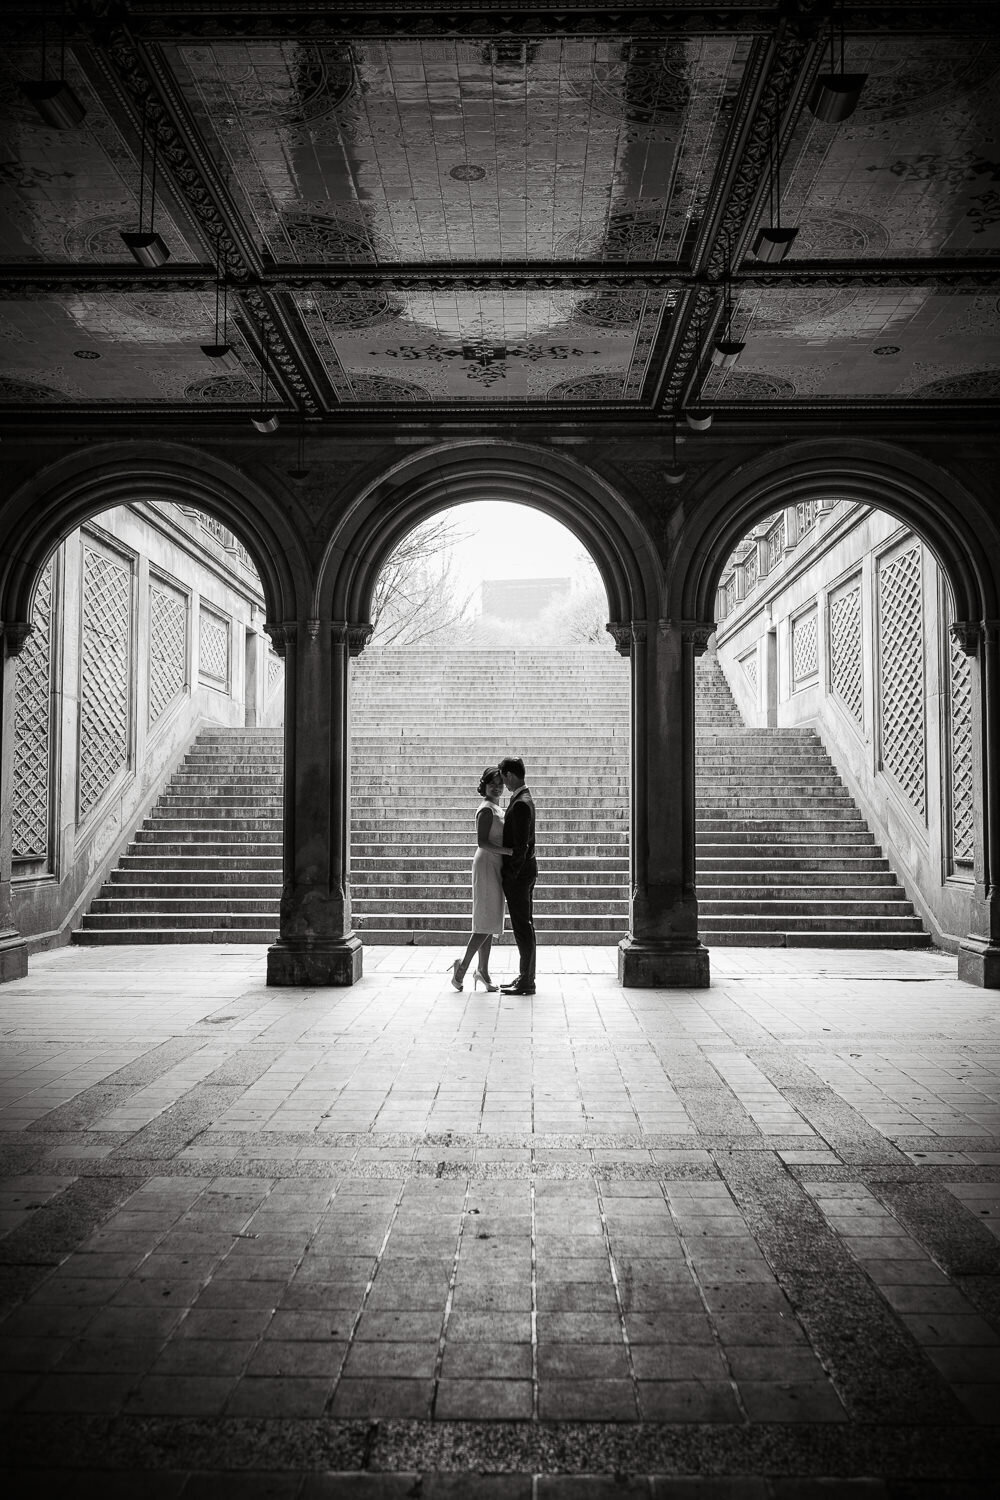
[13, 948]
[979, 951]
[663, 949]
[317, 945]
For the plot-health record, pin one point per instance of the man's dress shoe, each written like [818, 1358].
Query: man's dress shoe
[519, 987]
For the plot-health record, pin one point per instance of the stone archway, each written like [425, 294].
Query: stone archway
[962, 534]
[62, 496]
[317, 943]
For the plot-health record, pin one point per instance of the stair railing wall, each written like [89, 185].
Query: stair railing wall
[141, 620]
[850, 635]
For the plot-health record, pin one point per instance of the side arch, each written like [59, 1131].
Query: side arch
[62, 496]
[406, 494]
[957, 528]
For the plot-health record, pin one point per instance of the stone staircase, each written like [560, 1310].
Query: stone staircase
[425, 726]
[784, 858]
[205, 867]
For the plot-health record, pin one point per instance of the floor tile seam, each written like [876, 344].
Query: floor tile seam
[693, 1271]
[365, 1298]
[535, 1387]
[91, 1107]
[626, 1341]
[449, 1300]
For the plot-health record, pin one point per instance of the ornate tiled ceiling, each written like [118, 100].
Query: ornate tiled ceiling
[473, 211]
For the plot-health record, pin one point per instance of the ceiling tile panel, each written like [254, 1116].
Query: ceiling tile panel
[68, 193]
[445, 150]
[911, 343]
[915, 171]
[118, 347]
[464, 346]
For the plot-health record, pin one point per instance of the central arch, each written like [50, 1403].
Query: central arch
[414, 489]
[318, 943]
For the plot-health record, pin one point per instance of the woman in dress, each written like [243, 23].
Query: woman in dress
[487, 890]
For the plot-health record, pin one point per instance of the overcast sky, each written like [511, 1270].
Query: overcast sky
[513, 541]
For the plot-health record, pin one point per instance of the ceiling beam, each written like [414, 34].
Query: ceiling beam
[955, 273]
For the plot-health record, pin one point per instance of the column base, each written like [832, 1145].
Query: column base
[979, 962]
[658, 966]
[304, 963]
[13, 956]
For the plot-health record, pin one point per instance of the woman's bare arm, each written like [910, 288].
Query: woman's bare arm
[484, 822]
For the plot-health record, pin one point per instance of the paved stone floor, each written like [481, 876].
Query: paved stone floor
[394, 1241]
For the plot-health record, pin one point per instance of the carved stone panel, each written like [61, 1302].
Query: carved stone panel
[960, 755]
[214, 656]
[902, 728]
[847, 672]
[805, 647]
[167, 646]
[105, 672]
[32, 731]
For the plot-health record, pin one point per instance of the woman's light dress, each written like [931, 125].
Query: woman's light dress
[487, 865]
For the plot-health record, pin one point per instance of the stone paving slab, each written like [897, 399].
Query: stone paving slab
[396, 1240]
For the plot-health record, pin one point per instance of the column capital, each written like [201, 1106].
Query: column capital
[696, 633]
[969, 634]
[359, 633]
[282, 635]
[15, 633]
[622, 631]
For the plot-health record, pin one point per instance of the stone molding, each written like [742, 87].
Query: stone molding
[282, 636]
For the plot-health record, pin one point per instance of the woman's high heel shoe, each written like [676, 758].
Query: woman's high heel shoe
[479, 978]
[456, 980]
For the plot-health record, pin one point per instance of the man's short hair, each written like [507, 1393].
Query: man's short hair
[512, 763]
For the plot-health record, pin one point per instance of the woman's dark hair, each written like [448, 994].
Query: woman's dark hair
[490, 774]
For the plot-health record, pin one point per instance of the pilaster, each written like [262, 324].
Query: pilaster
[979, 951]
[663, 949]
[13, 948]
[316, 945]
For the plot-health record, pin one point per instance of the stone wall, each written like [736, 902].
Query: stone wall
[842, 624]
[147, 625]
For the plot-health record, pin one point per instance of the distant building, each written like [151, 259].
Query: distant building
[520, 598]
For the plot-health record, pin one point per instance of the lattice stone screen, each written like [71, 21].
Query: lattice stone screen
[901, 669]
[214, 652]
[105, 672]
[167, 647]
[805, 646]
[275, 669]
[847, 672]
[32, 731]
[749, 665]
[960, 747]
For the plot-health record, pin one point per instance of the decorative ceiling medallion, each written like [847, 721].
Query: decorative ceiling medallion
[295, 83]
[838, 235]
[27, 390]
[646, 82]
[352, 309]
[974, 383]
[467, 173]
[85, 354]
[610, 310]
[381, 388]
[316, 237]
[588, 388]
[910, 77]
[748, 385]
[221, 388]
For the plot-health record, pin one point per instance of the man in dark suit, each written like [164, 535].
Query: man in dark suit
[520, 872]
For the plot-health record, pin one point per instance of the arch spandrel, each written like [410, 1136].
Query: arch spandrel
[957, 528]
[62, 496]
[405, 494]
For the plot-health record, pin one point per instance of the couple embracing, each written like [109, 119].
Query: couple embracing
[503, 867]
